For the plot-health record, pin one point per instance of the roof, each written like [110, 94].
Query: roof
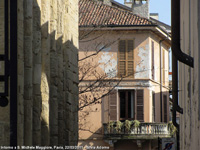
[93, 13]
[162, 24]
[126, 8]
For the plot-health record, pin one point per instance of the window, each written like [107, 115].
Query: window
[163, 66]
[126, 58]
[152, 60]
[131, 105]
[153, 107]
[165, 108]
[127, 105]
[123, 105]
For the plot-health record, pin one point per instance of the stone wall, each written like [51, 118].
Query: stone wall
[47, 72]
[4, 111]
[140, 7]
[189, 78]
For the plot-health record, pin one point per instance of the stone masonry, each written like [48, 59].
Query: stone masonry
[47, 73]
[4, 111]
[139, 7]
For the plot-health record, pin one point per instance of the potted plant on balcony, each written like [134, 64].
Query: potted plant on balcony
[110, 126]
[127, 125]
[136, 125]
[172, 128]
[118, 126]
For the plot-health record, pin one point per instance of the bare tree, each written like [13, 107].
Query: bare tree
[94, 81]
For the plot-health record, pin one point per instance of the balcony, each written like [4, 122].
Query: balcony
[142, 131]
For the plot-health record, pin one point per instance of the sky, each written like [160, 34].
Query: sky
[162, 7]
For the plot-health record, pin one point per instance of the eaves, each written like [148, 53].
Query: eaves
[156, 29]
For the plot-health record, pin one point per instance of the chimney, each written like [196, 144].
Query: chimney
[139, 7]
[128, 3]
[154, 15]
[107, 2]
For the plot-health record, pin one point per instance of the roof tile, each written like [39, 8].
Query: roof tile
[92, 13]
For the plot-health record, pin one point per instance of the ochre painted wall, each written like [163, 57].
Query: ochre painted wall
[91, 130]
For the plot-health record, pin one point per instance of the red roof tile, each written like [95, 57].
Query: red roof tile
[92, 13]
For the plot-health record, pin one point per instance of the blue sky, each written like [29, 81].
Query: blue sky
[163, 7]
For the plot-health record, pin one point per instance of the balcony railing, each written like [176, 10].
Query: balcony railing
[143, 131]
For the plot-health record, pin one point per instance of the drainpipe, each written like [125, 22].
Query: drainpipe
[178, 55]
[13, 72]
[176, 50]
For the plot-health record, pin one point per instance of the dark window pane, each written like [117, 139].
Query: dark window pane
[129, 105]
[122, 105]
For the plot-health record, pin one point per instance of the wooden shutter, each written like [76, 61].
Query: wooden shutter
[163, 67]
[153, 107]
[105, 109]
[165, 108]
[122, 58]
[113, 105]
[126, 58]
[152, 60]
[130, 57]
[140, 105]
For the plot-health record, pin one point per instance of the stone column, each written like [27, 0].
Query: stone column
[20, 78]
[59, 49]
[28, 101]
[53, 75]
[45, 75]
[37, 67]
